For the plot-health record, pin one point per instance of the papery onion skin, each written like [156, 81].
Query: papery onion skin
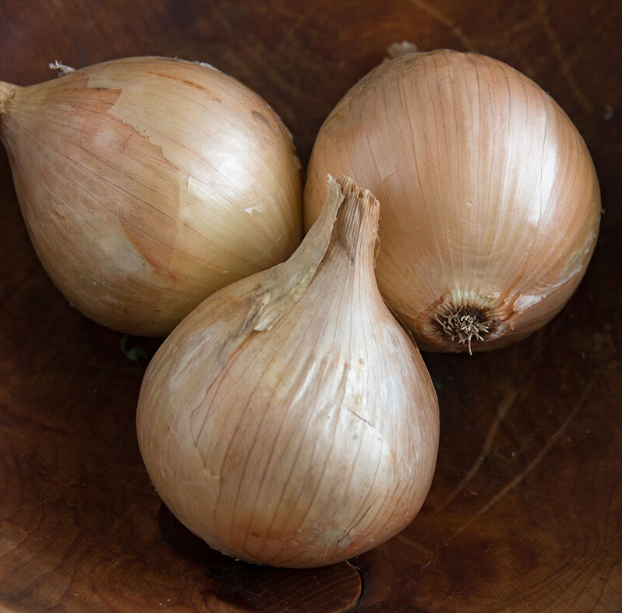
[490, 201]
[294, 427]
[149, 183]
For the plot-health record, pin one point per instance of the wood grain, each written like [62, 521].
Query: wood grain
[525, 513]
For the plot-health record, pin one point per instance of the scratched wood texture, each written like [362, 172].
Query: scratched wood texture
[525, 513]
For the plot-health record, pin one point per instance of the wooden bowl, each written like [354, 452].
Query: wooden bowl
[525, 512]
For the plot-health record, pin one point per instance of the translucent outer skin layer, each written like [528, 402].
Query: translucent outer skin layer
[489, 198]
[149, 183]
[302, 445]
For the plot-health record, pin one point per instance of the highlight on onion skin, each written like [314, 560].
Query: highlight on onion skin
[490, 201]
[149, 183]
[289, 420]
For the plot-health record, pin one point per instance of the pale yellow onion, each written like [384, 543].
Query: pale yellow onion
[490, 202]
[149, 183]
[289, 420]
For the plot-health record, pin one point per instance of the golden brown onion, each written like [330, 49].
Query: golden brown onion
[289, 419]
[149, 183]
[490, 202]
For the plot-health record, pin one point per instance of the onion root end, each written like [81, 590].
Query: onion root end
[465, 323]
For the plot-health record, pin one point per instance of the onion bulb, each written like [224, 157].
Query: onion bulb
[490, 202]
[289, 420]
[149, 183]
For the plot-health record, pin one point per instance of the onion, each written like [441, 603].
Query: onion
[289, 420]
[490, 202]
[149, 183]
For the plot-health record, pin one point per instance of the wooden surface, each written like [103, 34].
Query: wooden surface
[525, 512]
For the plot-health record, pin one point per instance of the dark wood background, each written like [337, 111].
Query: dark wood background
[525, 513]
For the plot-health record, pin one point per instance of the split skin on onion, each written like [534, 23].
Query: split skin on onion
[149, 183]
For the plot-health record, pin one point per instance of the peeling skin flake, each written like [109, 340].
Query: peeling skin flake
[63, 70]
[259, 208]
[575, 266]
[206, 65]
